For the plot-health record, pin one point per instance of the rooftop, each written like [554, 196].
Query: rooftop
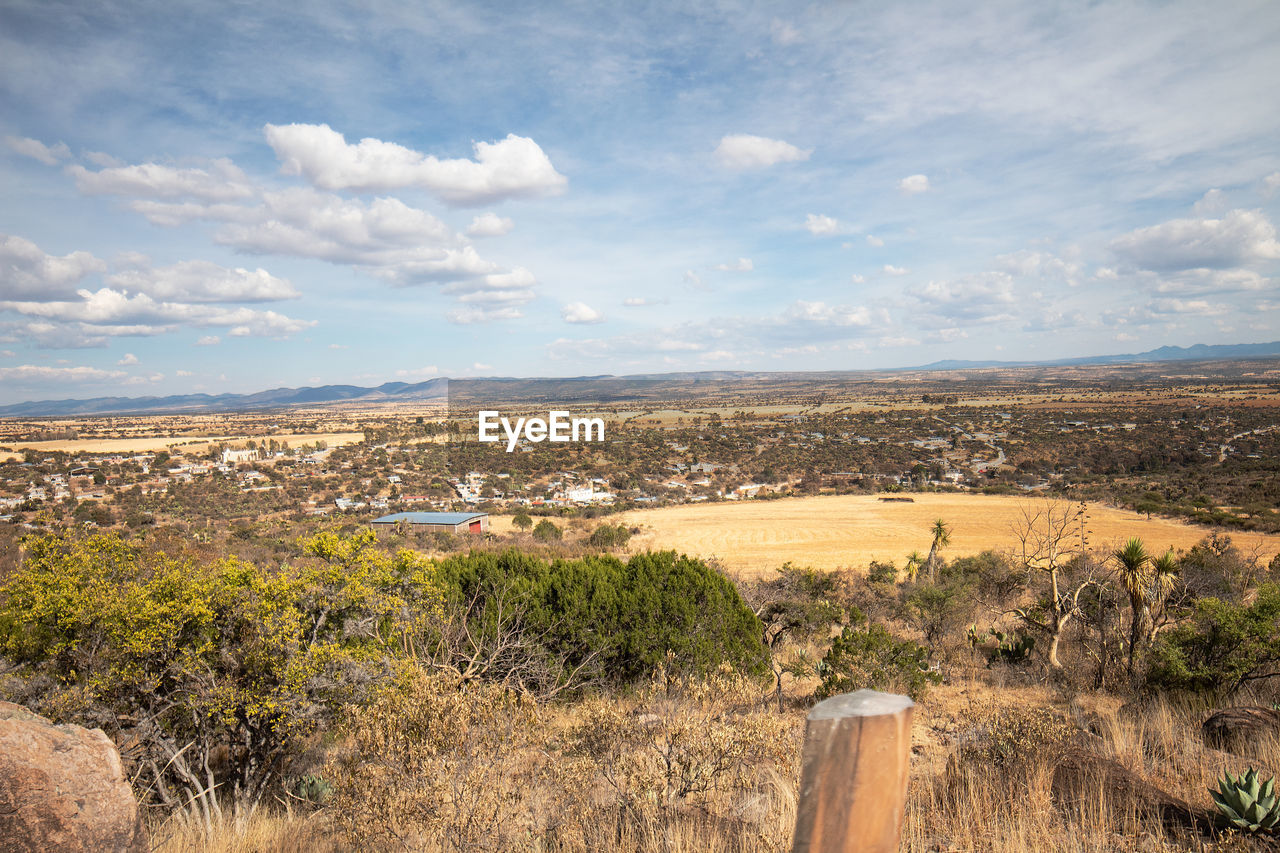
[430, 517]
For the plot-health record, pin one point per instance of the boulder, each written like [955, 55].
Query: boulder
[1234, 729]
[62, 789]
[1080, 775]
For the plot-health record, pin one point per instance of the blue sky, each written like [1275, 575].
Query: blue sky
[232, 197]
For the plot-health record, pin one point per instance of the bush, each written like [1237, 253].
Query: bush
[866, 655]
[1222, 648]
[618, 620]
[609, 536]
[546, 532]
[198, 659]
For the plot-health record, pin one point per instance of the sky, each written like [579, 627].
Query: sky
[230, 197]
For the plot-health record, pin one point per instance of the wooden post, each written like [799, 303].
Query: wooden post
[853, 788]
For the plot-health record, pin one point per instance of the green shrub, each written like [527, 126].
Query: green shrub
[199, 658]
[610, 536]
[545, 531]
[1223, 647]
[620, 619]
[867, 655]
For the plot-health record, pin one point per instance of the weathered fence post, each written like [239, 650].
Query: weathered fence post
[853, 788]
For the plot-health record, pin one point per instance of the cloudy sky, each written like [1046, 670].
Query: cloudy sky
[238, 196]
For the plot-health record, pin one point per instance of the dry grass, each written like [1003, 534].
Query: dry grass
[829, 532]
[185, 443]
[963, 796]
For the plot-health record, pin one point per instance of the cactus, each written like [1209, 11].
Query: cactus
[313, 789]
[1248, 804]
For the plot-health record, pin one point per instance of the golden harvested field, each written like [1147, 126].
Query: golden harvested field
[835, 531]
[186, 443]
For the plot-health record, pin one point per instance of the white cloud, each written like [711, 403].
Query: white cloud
[489, 225]
[783, 33]
[482, 314]
[1207, 281]
[1199, 307]
[34, 373]
[948, 335]
[99, 158]
[208, 341]
[50, 155]
[418, 372]
[222, 181]
[692, 279]
[983, 298]
[890, 269]
[802, 323]
[1211, 203]
[26, 272]
[183, 373]
[821, 225]
[203, 281]
[639, 301]
[874, 241]
[494, 296]
[914, 184]
[857, 279]
[742, 265]
[129, 358]
[898, 341]
[1047, 266]
[580, 312]
[339, 346]
[149, 379]
[743, 151]
[510, 168]
[822, 314]
[113, 312]
[1239, 237]
[1270, 184]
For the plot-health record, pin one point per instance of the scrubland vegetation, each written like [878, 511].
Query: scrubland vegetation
[341, 694]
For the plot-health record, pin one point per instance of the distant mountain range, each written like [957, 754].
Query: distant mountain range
[277, 398]
[438, 389]
[1196, 352]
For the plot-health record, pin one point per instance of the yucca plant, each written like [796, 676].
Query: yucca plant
[1248, 804]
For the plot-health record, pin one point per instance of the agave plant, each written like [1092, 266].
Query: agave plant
[1248, 804]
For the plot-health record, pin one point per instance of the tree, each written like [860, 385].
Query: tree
[1223, 647]
[522, 520]
[1134, 566]
[1043, 532]
[200, 659]
[941, 539]
[914, 561]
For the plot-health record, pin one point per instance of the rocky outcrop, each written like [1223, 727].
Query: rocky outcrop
[62, 789]
[1236, 729]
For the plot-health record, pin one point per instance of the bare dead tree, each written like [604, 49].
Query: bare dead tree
[1044, 532]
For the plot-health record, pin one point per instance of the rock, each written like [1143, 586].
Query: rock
[1234, 729]
[1081, 774]
[62, 789]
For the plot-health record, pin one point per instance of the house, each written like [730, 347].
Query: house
[449, 522]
